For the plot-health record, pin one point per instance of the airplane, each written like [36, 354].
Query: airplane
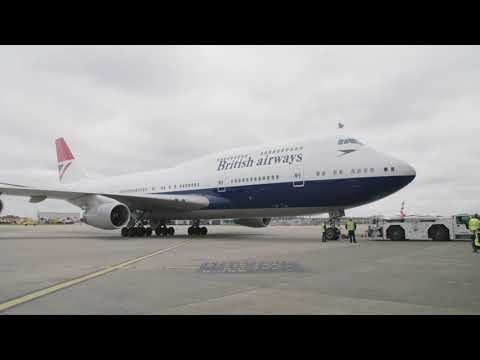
[250, 184]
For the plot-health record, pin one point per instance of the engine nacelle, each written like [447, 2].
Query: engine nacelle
[1, 206]
[254, 222]
[109, 216]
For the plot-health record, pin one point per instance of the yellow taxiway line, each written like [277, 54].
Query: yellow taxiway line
[37, 294]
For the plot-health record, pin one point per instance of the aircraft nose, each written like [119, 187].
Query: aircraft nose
[413, 172]
[407, 172]
[410, 170]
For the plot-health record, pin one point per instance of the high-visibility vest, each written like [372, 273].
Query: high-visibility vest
[350, 226]
[474, 224]
[324, 226]
[477, 240]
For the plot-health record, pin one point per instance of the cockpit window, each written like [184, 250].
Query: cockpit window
[348, 141]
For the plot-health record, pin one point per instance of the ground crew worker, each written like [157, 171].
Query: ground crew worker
[474, 226]
[324, 232]
[351, 227]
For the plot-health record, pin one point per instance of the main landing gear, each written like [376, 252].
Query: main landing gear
[138, 229]
[196, 229]
[163, 230]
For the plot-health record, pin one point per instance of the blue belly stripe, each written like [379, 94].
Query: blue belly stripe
[316, 193]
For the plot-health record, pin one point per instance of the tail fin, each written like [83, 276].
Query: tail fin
[68, 169]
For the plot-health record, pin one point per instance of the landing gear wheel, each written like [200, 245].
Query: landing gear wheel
[191, 231]
[141, 231]
[124, 231]
[160, 230]
[132, 232]
[203, 231]
[170, 231]
[331, 234]
[148, 232]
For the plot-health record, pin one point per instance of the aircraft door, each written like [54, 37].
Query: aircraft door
[298, 180]
[221, 185]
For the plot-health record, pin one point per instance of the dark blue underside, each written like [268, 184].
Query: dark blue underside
[343, 193]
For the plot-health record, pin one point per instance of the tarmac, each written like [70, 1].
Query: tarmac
[76, 269]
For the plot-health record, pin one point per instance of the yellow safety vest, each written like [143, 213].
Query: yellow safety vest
[474, 224]
[350, 226]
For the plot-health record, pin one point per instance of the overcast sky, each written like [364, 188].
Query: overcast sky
[134, 108]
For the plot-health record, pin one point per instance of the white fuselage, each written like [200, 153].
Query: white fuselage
[284, 179]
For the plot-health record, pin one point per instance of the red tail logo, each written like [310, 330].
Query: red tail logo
[63, 151]
[64, 156]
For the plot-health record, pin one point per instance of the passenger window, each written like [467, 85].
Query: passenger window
[340, 172]
[385, 169]
[372, 170]
[365, 170]
[323, 173]
[318, 173]
[334, 172]
[278, 177]
[353, 171]
[392, 168]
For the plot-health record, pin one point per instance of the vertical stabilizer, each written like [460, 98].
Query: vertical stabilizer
[68, 168]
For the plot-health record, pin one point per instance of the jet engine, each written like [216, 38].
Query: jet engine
[109, 216]
[1, 206]
[254, 222]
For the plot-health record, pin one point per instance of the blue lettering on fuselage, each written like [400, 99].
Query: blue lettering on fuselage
[263, 161]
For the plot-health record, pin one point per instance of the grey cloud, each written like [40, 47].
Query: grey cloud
[135, 108]
[131, 69]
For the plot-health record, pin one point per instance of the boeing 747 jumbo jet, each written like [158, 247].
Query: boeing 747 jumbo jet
[251, 185]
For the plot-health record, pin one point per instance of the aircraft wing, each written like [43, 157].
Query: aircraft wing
[141, 201]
